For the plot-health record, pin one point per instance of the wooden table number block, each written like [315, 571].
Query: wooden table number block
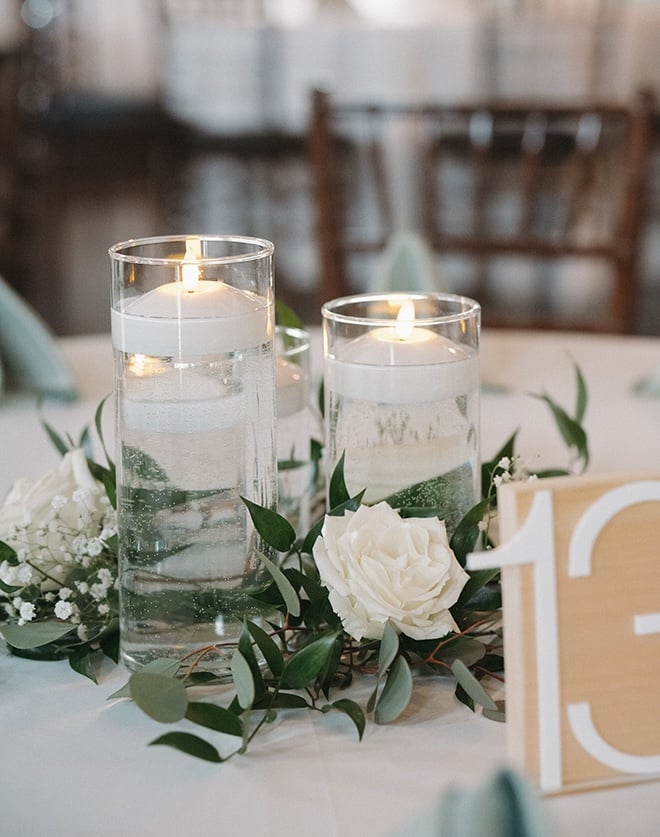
[580, 562]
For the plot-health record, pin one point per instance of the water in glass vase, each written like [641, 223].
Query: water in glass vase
[195, 437]
[414, 453]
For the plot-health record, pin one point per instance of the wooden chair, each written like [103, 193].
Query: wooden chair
[496, 184]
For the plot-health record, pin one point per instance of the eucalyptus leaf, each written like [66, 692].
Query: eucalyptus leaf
[189, 744]
[273, 528]
[396, 693]
[282, 700]
[214, 717]
[581, 397]
[389, 648]
[285, 316]
[34, 634]
[303, 667]
[472, 686]
[160, 697]
[285, 587]
[498, 714]
[98, 423]
[477, 580]
[163, 665]
[354, 712]
[271, 653]
[81, 663]
[61, 445]
[466, 534]
[8, 554]
[243, 680]
[337, 491]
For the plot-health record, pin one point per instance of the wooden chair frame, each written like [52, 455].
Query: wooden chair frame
[620, 250]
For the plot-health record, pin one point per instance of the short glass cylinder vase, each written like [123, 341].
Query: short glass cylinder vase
[194, 370]
[402, 388]
[297, 425]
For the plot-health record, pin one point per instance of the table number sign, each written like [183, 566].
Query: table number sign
[581, 608]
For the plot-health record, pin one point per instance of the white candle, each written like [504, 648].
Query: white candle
[401, 364]
[291, 388]
[214, 318]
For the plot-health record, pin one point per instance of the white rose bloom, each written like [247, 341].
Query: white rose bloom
[378, 566]
[29, 509]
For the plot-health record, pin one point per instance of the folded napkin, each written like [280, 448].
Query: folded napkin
[29, 353]
[649, 385]
[505, 807]
[407, 264]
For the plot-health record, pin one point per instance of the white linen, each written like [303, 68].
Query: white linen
[74, 765]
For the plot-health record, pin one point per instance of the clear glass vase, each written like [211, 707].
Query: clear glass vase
[193, 337]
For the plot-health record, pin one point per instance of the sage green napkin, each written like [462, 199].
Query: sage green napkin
[505, 807]
[29, 353]
[407, 264]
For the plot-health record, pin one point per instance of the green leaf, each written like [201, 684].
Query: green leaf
[273, 528]
[352, 504]
[488, 468]
[478, 579]
[110, 645]
[8, 588]
[285, 587]
[285, 316]
[214, 717]
[467, 532]
[160, 697]
[81, 662]
[389, 648]
[34, 634]
[8, 554]
[189, 744]
[354, 712]
[61, 445]
[243, 680]
[571, 431]
[282, 700]
[498, 714]
[472, 686]
[337, 491]
[98, 423]
[271, 653]
[303, 667]
[396, 693]
[581, 397]
[163, 665]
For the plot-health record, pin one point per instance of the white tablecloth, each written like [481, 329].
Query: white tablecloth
[74, 765]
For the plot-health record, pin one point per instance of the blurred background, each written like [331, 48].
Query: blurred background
[146, 117]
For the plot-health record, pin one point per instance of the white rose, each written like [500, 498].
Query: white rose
[41, 518]
[378, 566]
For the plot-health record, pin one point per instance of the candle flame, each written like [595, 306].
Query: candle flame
[190, 272]
[405, 320]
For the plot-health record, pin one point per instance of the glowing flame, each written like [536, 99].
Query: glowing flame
[405, 320]
[190, 272]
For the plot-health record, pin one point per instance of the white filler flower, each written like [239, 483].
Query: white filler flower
[378, 566]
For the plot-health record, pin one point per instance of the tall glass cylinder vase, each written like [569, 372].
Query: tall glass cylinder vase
[193, 332]
[402, 399]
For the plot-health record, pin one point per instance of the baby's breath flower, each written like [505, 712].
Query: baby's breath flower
[63, 610]
[98, 591]
[103, 608]
[27, 611]
[82, 586]
[24, 574]
[65, 593]
[81, 630]
[58, 502]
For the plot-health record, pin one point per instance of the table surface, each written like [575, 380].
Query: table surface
[74, 764]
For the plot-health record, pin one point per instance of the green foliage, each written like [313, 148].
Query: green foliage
[297, 665]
